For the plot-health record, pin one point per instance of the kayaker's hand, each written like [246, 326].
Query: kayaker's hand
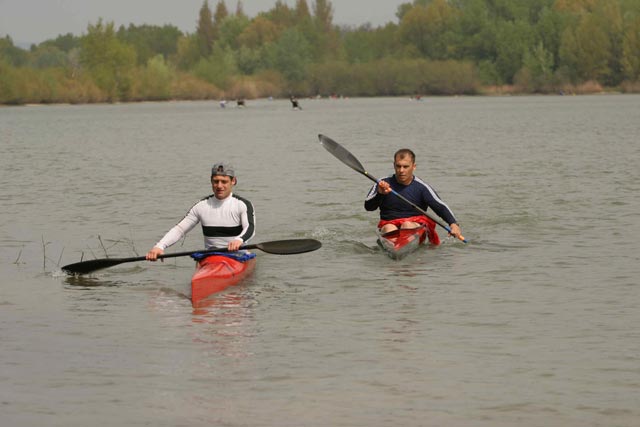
[384, 188]
[152, 255]
[455, 231]
[234, 245]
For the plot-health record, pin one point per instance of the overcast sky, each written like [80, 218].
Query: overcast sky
[33, 21]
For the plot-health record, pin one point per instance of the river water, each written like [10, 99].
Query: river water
[534, 322]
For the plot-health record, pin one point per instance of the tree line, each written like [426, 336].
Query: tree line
[433, 47]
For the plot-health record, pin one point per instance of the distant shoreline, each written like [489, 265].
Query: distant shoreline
[481, 93]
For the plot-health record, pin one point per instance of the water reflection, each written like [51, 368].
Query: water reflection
[220, 325]
[361, 248]
[220, 302]
[225, 324]
[406, 271]
[79, 282]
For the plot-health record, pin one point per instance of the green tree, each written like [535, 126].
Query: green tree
[443, 28]
[302, 10]
[431, 29]
[205, 30]
[248, 60]
[360, 45]
[240, 10]
[609, 19]
[48, 56]
[306, 25]
[631, 50]
[509, 10]
[536, 75]
[259, 32]
[154, 80]
[290, 55]
[65, 42]
[477, 31]
[230, 30]
[217, 69]
[323, 15]
[11, 54]
[281, 15]
[513, 41]
[548, 30]
[221, 12]
[367, 44]
[219, 16]
[414, 29]
[9, 78]
[402, 10]
[574, 6]
[187, 52]
[151, 40]
[108, 60]
[585, 50]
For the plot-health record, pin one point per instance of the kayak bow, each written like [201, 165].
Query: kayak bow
[216, 273]
[403, 241]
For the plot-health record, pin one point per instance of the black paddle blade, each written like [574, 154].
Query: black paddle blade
[341, 153]
[85, 267]
[289, 247]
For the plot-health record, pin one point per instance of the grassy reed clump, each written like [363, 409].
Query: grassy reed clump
[630, 87]
[251, 87]
[498, 90]
[393, 77]
[188, 87]
[588, 87]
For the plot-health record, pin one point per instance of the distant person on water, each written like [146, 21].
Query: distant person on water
[396, 213]
[294, 103]
[228, 220]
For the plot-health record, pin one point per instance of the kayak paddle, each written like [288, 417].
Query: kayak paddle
[350, 160]
[278, 247]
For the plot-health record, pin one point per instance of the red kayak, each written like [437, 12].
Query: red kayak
[215, 273]
[401, 242]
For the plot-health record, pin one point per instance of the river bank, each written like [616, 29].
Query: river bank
[589, 88]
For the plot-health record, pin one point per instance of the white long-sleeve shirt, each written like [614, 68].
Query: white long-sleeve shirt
[222, 221]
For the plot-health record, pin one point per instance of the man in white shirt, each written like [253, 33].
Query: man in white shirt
[228, 220]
